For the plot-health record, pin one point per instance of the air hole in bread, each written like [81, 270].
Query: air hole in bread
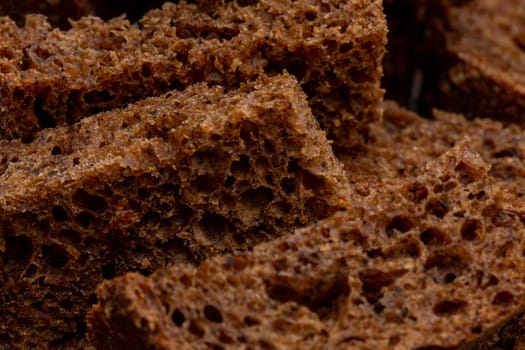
[81, 327]
[492, 281]
[374, 280]
[257, 198]
[449, 278]
[499, 217]
[374, 253]
[449, 307]
[146, 69]
[45, 119]
[206, 183]
[310, 15]
[59, 213]
[438, 207]
[477, 329]
[185, 280]
[356, 74]
[432, 236]
[224, 337]
[249, 133]
[84, 219]
[447, 261]
[178, 317]
[288, 185]
[98, 97]
[142, 193]
[229, 182]
[196, 329]
[503, 298]
[471, 230]
[466, 173]
[393, 340]
[519, 40]
[55, 255]
[400, 224]
[432, 347]
[212, 314]
[251, 321]
[506, 153]
[19, 250]
[345, 47]
[317, 208]
[321, 293]
[37, 304]
[30, 271]
[62, 341]
[240, 166]
[108, 271]
[450, 185]
[404, 249]
[353, 234]
[151, 219]
[478, 196]
[56, 151]
[214, 226]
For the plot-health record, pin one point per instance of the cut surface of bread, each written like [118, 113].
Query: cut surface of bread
[60, 12]
[432, 262]
[481, 50]
[171, 179]
[402, 141]
[52, 77]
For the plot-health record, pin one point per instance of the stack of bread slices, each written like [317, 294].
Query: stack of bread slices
[216, 174]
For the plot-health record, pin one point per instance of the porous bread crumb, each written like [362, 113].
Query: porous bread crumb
[51, 77]
[431, 268]
[171, 179]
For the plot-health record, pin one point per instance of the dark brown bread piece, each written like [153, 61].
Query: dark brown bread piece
[50, 77]
[399, 144]
[59, 12]
[464, 55]
[176, 178]
[479, 55]
[436, 268]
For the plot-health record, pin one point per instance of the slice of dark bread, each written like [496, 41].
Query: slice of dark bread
[59, 12]
[52, 77]
[170, 179]
[458, 55]
[402, 141]
[478, 59]
[439, 267]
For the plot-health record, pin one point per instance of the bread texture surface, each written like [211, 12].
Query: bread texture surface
[171, 179]
[479, 59]
[52, 77]
[423, 266]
